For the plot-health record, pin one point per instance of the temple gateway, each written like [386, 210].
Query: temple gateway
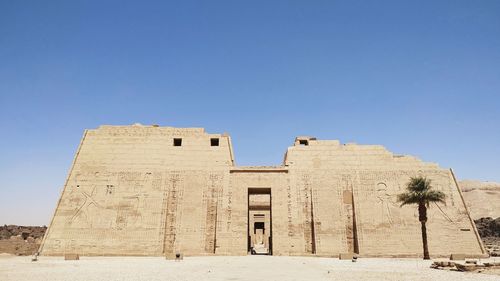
[153, 191]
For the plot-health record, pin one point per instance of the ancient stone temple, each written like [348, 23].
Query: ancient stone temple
[152, 191]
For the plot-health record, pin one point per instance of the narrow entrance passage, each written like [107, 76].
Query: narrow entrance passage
[259, 221]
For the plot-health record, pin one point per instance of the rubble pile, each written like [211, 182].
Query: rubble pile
[21, 240]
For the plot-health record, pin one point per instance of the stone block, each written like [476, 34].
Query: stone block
[457, 257]
[175, 256]
[16, 237]
[346, 256]
[492, 263]
[443, 263]
[71, 257]
[465, 266]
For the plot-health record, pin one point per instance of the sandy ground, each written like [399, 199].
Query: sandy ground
[224, 268]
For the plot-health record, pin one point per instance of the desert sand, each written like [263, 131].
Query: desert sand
[225, 268]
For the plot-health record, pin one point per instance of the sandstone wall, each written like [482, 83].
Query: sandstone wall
[375, 176]
[131, 191]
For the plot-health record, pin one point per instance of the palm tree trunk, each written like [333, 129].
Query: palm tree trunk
[422, 215]
[424, 241]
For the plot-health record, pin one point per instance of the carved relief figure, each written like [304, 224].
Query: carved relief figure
[387, 203]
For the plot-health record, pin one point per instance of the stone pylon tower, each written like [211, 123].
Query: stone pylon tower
[152, 191]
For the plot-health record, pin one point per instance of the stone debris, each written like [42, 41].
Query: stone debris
[489, 230]
[476, 265]
[21, 240]
[35, 232]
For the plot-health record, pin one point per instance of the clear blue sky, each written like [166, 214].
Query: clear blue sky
[420, 77]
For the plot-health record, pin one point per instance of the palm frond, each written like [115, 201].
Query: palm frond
[435, 196]
[419, 191]
[419, 184]
[408, 198]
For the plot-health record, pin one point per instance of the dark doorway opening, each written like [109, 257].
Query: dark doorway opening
[259, 227]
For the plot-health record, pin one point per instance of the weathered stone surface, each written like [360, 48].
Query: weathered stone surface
[133, 191]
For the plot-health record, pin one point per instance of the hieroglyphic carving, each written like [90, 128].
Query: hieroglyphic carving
[348, 204]
[211, 198]
[305, 193]
[386, 203]
[170, 222]
[229, 210]
[81, 212]
[101, 207]
[289, 209]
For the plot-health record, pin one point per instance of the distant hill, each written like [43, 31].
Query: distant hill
[482, 198]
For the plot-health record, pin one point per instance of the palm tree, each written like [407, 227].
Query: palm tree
[419, 192]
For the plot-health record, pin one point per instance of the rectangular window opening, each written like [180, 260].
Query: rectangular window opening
[214, 142]
[177, 142]
[303, 142]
